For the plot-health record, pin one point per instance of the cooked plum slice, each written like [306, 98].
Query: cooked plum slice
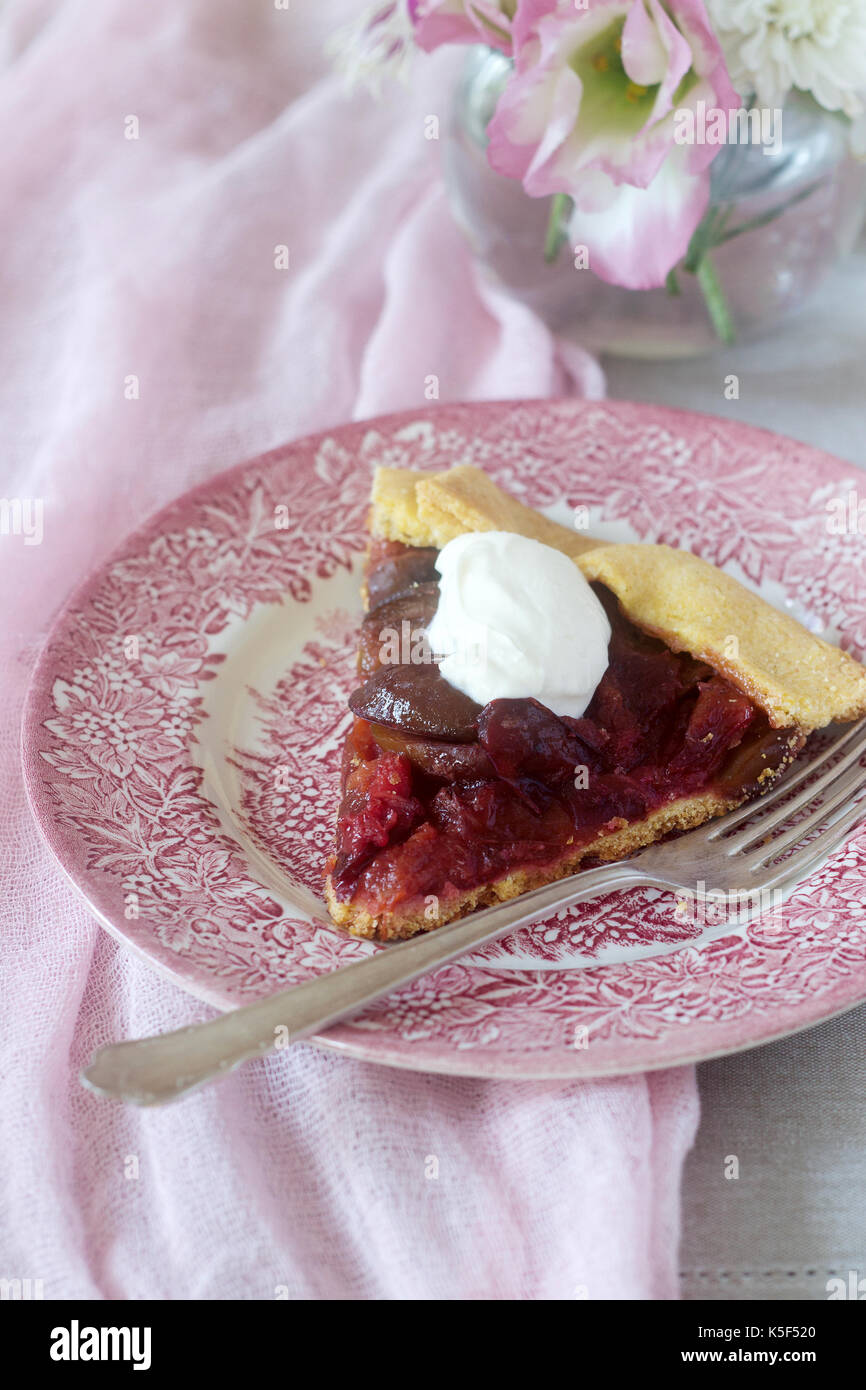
[523, 738]
[450, 762]
[383, 629]
[396, 574]
[417, 700]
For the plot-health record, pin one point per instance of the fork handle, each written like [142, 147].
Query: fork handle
[152, 1070]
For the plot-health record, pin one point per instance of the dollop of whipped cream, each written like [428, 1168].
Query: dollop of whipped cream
[516, 619]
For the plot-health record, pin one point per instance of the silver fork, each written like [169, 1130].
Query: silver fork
[742, 861]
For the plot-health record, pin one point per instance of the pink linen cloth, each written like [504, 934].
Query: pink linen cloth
[302, 1176]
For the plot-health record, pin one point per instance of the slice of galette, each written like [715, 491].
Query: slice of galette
[532, 701]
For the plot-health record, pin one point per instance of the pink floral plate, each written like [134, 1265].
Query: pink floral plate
[183, 732]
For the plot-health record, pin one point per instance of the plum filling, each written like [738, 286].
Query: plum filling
[441, 795]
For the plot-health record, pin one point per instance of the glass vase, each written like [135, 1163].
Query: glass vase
[789, 216]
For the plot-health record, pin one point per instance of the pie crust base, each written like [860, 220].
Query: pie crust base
[412, 917]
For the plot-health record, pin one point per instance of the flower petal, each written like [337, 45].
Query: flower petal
[439, 22]
[644, 56]
[635, 236]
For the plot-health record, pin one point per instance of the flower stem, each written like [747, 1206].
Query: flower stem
[717, 305]
[555, 235]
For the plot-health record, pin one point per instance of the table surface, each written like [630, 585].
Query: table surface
[794, 1113]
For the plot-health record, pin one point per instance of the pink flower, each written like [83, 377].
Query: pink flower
[591, 111]
[462, 21]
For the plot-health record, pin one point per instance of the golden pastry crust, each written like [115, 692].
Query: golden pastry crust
[794, 676]
[465, 499]
[394, 507]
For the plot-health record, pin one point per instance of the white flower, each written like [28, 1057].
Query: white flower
[818, 46]
[378, 43]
